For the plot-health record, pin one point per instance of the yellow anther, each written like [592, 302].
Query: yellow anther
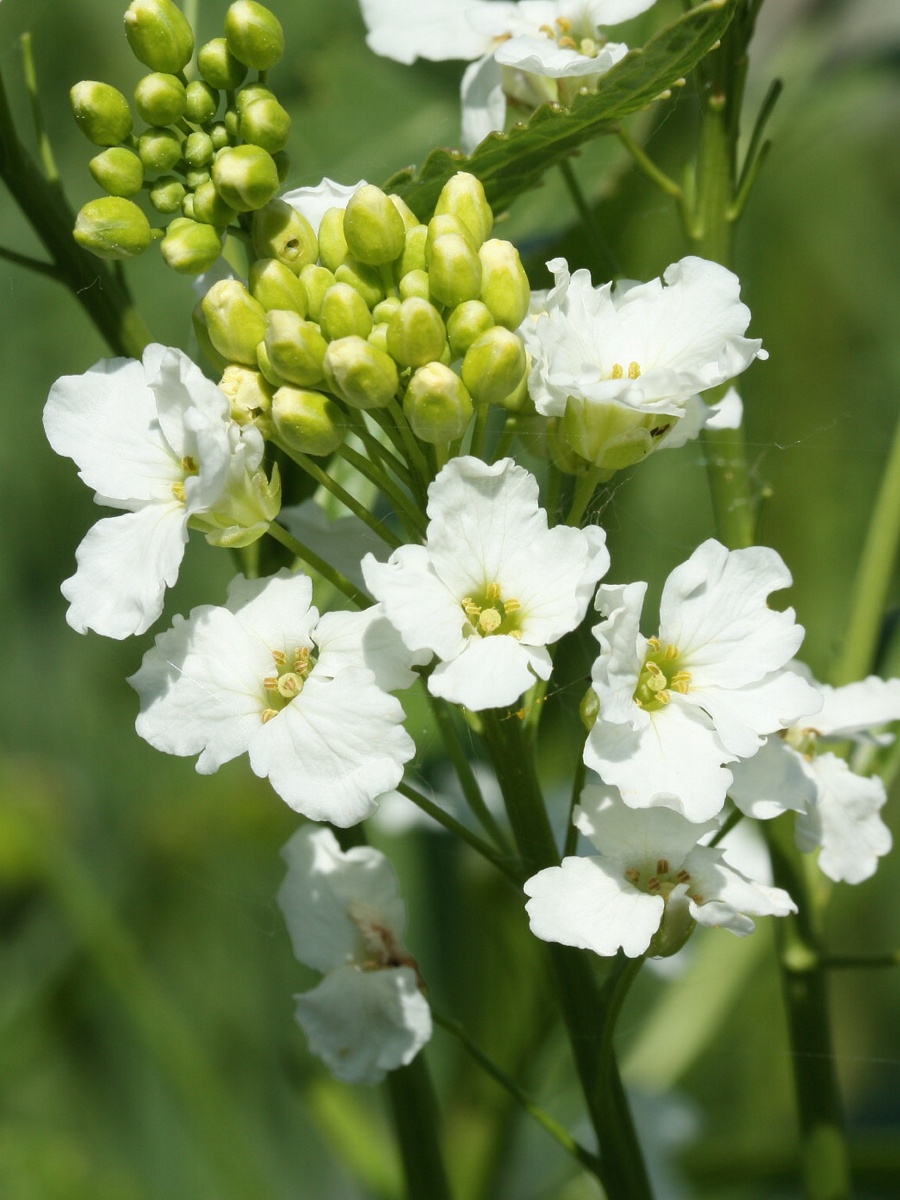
[512, 605]
[289, 685]
[671, 651]
[632, 875]
[189, 465]
[653, 884]
[470, 608]
[516, 633]
[279, 657]
[656, 678]
[548, 29]
[683, 876]
[492, 592]
[564, 24]
[653, 643]
[489, 620]
[617, 372]
[567, 43]
[662, 866]
[179, 493]
[268, 714]
[634, 370]
[680, 682]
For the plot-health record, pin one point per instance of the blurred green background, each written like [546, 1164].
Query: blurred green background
[147, 1043]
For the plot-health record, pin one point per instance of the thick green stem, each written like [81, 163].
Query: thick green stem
[43, 203]
[416, 1122]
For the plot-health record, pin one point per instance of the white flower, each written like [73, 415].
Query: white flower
[346, 919]
[622, 364]
[647, 885]
[302, 694]
[520, 48]
[675, 709]
[492, 587]
[155, 439]
[837, 809]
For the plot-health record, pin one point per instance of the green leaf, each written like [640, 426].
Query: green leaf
[511, 163]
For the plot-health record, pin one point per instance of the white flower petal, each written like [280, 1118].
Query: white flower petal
[366, 639]
[743, 715]
[773, 781]
[581, 903]
[434, 29]
[483, 101]
[844, 821]
[418, 604]
[365, 1023]
[631, 836]
[545, 57]
[858, 707]
[125, 564]
[314, 202]
[491, 672]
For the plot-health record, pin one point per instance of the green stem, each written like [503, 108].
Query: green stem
[299, 550]
[825, 1160]
[416, 1121]
[602, 252]
[311, 467]
[589, 1161]
[46, 150]
[585, 486]
[91, 282]
[411, 516]
[873, 576]
[501, 861]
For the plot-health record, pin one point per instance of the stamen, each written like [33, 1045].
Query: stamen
[683, 876]
[270, 683]
[178, 492]
[512, 605]
[268, 713]
[617, 371]
[662, 866]
[653, 884]
[567, 43]
[634, 370]
[633, 875]
[492, 592]
[189, 465]
[565, 24]
[280, 658]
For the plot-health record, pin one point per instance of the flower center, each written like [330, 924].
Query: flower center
[659, 879]
[489, 613]
[619, 372]
[190, 466]
[291, 672]
[660, 675]
[381, 948]
[567, 38]
[803, 740]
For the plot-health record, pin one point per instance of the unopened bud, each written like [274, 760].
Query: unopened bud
[439, 226]
[266, 123]
[504, 284]
[308, 422]
[413, 256]
[454, 272]
[209, 206]
[276, 286]
[118, 171]
[463, 197]
[190, 247]
[344, 313]
[101, 112]
[250, 94]
[317, 280]
[159, 149]
[254, 35]
[416, 333]
[167, 194]
[236, 322]
[279, 231]
[378, 336]
[364, 278]
[374, 229]
[494, 365]
[160, 99]
[112, 227]
[437, 405]
[245, 177]
[410, 220]
[198, 150]
[360, 373]
[196, 177]
[249, 397]
[218, 135]
[332, 243]
[159, 35]
[218, 66]
[415, 283]
[201, 103]
[294, 348]
[467, 322]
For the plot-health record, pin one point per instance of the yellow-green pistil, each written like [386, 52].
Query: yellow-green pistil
[660, 675]
[288, 681]
[489, 613]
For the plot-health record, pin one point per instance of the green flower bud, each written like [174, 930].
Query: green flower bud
[317, 280]
[282, 164]
[159, 35]
[467, 322]
[218, 135]
[332, 243]
[265, 123]
[676, 927]
[167, 194]
[519, 399]
[416, 333]
[218, 66]
[187, 207]
[160, 99]
[295, 348]
[112, 227]
[249, 396]
[365, 279]
[198, 150]
[245, 177]
[444, 224]
[463, 197]
[254, 35]
[210, 208]
[437, 405]
[494, 365]
[276, 286]
[454, 273]
[201, 332]
[344, 313]
[307, 422]
[201, 103]
[101, 112]
[385, 309]
[413, 256]
[236, 322]
[118, 171]
[504, 284]
[159, 149]
[410, 220]
[415, 283]
[232, 123]
[374, 229]
[250, 94]
[378, 337]
[266, 369]
[360, 373]
[196, 177]
[279, 231]
[190, 247]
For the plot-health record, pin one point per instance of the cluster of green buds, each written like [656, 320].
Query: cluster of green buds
[212, 150]
[375, 308]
